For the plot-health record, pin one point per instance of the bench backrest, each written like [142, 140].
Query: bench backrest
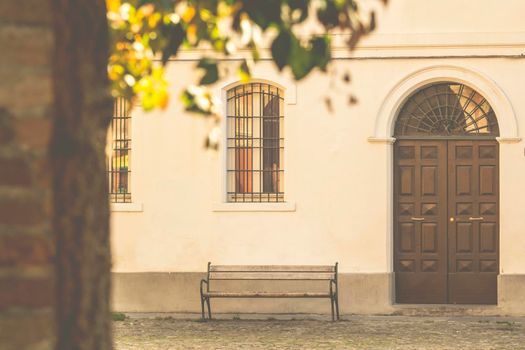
[272, 272]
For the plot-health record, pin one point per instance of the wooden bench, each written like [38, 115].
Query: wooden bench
[270, 273]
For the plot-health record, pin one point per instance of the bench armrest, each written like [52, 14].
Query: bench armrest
[207, 286]
[333, 287]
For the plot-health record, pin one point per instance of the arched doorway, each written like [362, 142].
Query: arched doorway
[446, 197]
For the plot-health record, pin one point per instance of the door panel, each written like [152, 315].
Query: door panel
[473, 226]
[420, 234]
[446, 231]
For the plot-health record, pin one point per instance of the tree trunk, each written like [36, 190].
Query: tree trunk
[54, 234]
[26, 240]
[83, 110]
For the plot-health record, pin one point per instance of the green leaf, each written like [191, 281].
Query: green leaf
[211, 71]
[300, 60]
[300, 5]
[321, 51]
[175, 35]
[263, 15]
[281, 48]
[328, 14]
[188, 100]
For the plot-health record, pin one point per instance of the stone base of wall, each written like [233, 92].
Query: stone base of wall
[511, 294]
[359, 293]
[179, 292]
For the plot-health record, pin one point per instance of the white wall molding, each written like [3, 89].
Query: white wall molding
[429, 40]
[382, 45]
[386, 140]
[253, 207]
[400, 45]
[270, 77]
[508, 139]
[127, 207]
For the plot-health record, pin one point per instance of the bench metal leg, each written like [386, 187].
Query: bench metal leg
[209, 308]
[337, 305]
[332, 306]
[332, 297]
[202, 307]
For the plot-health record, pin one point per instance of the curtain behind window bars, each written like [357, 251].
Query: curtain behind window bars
[119, 163]
[255, 144]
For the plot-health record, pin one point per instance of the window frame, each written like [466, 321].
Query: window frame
[119, 158]
[133, 205]
[255, 143]
[221, 204]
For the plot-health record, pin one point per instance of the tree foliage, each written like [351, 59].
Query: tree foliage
[147, 33]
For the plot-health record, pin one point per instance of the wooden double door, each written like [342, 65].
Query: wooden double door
[446, 229]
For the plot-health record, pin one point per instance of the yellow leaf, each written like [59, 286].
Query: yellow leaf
[191, 33]
[147, 10]
[113, 5]
[163, 100]
[188, 14]
[154, 19]
[223, 9]
[206, 15]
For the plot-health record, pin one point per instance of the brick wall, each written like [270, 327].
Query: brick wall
[26, 241]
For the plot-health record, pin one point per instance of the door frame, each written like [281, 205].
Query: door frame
[383, 130]
[391, 145]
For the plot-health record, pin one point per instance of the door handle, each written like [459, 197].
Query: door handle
[479, 218]
[417, 219]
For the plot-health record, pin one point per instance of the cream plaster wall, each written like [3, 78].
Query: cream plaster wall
[338, 181]
[178, 182]
[450, 16]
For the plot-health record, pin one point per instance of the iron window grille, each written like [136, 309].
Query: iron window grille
[255, 143]
[446, 110]
[119, 171]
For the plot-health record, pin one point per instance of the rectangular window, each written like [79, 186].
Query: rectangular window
[255, 143]
[119, 141]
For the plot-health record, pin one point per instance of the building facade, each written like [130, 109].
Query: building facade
[410, 175]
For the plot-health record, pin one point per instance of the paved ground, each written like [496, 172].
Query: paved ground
[378, 333]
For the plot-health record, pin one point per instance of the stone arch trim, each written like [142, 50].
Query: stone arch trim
[289, 88]
[391, 105]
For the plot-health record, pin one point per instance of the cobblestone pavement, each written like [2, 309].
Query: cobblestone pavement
[357, 332]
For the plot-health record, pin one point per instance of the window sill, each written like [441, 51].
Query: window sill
[126, 207]
[253, 207]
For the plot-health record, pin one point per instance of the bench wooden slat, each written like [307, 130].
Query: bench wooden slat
[305, 276]
[272, 268]
[267, 294]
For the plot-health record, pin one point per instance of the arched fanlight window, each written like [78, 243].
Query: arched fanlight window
[446, 110]
[255, 143]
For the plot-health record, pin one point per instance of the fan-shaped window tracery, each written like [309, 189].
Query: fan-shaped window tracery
[446, 110]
